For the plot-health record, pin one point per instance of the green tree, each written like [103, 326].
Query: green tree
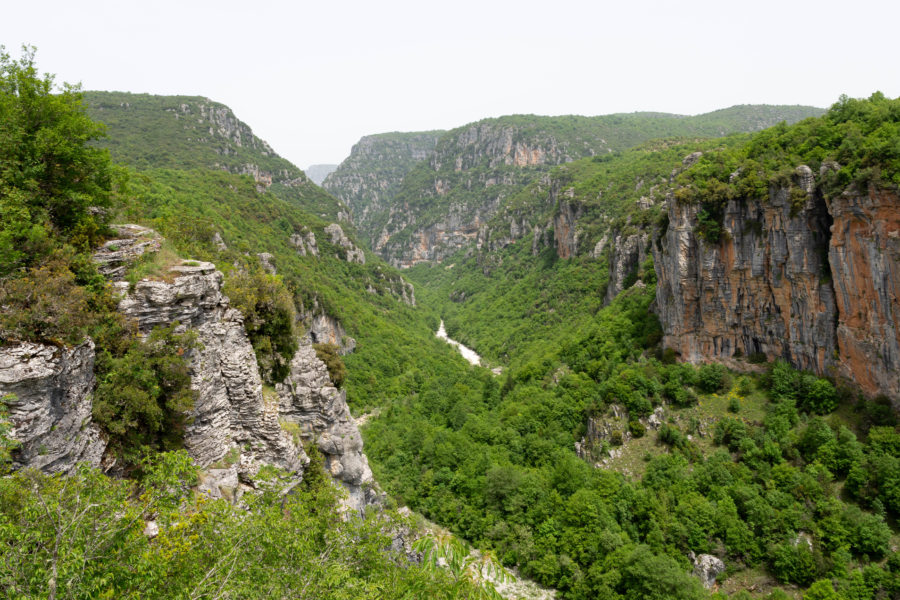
[53, 181]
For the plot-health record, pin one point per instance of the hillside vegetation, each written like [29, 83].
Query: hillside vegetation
[795, 484]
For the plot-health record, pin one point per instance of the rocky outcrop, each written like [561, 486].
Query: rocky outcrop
[308, 399]
[231, 420]
[237, 425]
[352, 253]
[706, 568]
[794, 276]
[192, 297]
[132, 241]
[324, 329]
[864, 257]
[305, 243]
[48, 390]
[626, 255]
[267, 262]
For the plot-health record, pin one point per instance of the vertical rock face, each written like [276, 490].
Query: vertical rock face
[51, 409]
[763, 288]
[565, 224]
[815, 284]
[237, 425]
[308, 399]
[865, 268]
[231, 413]
[626, 254]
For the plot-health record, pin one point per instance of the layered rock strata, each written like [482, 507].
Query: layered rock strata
[48, 393]
[114, 256]
[231, 417]
[308, 399]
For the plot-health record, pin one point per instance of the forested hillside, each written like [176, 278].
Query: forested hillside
[444, 199]
[598, 460]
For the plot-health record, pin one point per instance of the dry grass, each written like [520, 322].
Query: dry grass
[156, 266]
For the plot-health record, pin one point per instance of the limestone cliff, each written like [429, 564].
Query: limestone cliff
[769, 285]
[864, 257]
[49, 394]
[230, 415]
[236, 425]
[308, 398]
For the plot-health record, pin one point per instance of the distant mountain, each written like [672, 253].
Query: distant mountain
[318, 173]
[370, 177]
[192, 132]
[426, 210]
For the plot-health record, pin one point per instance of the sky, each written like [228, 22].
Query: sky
[311, 78]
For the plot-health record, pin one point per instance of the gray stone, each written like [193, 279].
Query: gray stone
[707, 567]
[353, 253]
[115, 256]
[625, 258]
[327, 330]
[51, 412]
[267, 262]
[308, 399]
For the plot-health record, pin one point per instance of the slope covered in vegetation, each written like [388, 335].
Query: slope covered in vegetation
[795, 484]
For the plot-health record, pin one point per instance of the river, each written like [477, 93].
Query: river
[467, 353]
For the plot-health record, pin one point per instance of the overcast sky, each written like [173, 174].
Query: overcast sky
[312, 78]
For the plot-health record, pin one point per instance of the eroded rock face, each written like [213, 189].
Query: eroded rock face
[353, 253]
[327, 330]
[51, 412]
[865, 268]
[193, 298]
[762, 288]
[626, 255]
[816, 284]
[232, 421]
[231, 410]
[308, 399]
[114, 256]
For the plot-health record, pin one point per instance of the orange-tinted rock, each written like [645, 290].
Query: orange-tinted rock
[787, 283]
[865, 266]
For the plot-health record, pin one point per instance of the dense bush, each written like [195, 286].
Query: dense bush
[143, 394]
[328, 354]
[274, 545]
[269, 319]
[51, 176]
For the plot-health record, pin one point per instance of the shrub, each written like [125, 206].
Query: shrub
[328, 354]
[45, 304]
[636, 428]
[269, 319]
[143, 396]
[710, 377]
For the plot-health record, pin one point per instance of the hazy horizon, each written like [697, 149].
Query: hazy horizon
[311, 79]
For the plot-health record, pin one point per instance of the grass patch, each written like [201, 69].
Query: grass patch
[155, 266]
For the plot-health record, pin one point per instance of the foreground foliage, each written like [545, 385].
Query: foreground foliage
[86, 536]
